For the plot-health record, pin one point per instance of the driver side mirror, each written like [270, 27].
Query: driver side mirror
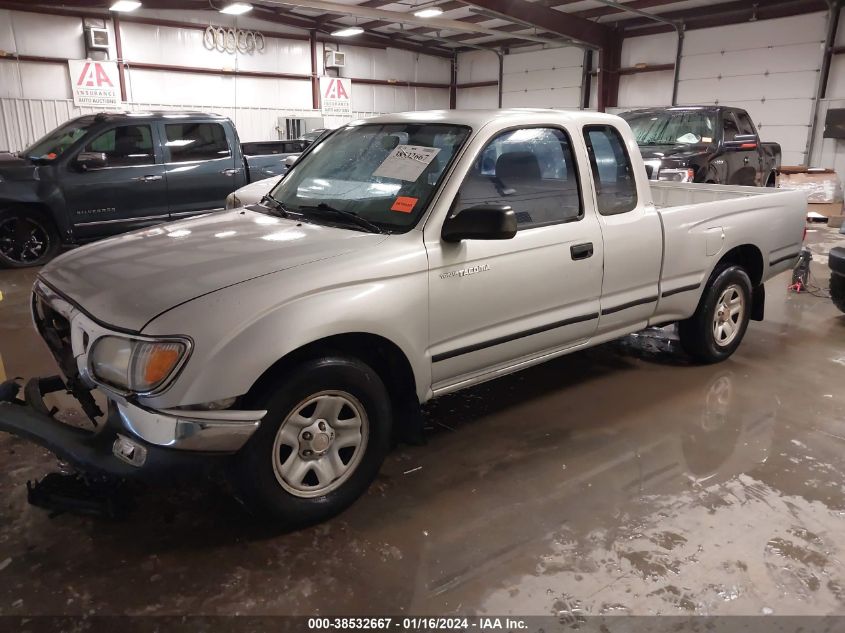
[742, 142]
[91, 160]
[290, 160]
[483, 222]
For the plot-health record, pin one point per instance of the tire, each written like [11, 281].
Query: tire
[711, 336]
[837, 290]
[322, 397]
[27, 238]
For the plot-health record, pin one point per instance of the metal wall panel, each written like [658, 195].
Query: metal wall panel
[543, 79]
[770, 68]
[23, 121]
[184, 47]
[477, 66]
[483, 98]
[645, 90]
[36, 92]
[45, 35]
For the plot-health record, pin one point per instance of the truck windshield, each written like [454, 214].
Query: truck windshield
[56, 142]
[672, 128]
[384, 173]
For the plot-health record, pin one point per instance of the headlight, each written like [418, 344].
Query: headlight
[232, 201]
[676, 175]
[133, 364]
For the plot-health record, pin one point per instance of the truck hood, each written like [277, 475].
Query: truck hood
[14, 168]
[672, 152]
[128, 280]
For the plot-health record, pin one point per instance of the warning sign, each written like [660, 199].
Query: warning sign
[335, 96]
[95, 84]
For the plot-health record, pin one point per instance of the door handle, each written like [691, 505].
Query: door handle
[581, 251]
[229, 172]
[148, 178]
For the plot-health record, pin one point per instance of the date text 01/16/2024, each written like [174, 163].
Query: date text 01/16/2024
[418, 624]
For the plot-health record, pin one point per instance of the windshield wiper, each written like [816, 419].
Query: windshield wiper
[346, 215]
[275, 204]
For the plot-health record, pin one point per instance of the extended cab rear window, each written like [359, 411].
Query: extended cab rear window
[613, 175]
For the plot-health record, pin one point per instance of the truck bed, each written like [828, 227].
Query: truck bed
[715, 219]
[669, 194]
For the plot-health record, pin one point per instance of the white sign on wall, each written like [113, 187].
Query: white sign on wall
[95, 84]
[335, 96]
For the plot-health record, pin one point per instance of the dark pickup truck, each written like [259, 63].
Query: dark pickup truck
[713, 144]
[104, 174]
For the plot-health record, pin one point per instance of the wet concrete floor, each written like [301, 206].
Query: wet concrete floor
[617, 480]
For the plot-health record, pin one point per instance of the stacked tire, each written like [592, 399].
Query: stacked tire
[836, 262]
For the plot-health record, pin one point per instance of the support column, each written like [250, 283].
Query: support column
[118, 45]
[453, 83]
[315, 80]
[610, 60]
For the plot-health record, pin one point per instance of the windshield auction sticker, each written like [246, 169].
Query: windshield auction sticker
[404, 204]
[406, 162]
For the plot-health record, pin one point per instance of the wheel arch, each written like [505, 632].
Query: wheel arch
[386, 358]
[750, 259]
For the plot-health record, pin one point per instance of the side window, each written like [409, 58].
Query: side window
[745, 124]
[125, 146]
[196, 141]
[530, 169]
[730, 127]
[613, 175]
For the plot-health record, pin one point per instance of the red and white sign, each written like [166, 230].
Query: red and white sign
[335, 96]
[95, 84]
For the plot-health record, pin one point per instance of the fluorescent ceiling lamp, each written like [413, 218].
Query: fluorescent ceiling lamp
[236, 8]
[125, 5]
[348, 32]
[431, 12]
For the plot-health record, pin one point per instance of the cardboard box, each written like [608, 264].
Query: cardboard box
[822, 185]
[829, 210]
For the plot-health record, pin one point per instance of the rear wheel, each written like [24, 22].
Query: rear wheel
[718, 325]
[325, 435]
[27, 238]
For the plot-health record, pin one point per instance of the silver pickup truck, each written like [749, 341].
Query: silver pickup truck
[405, 257]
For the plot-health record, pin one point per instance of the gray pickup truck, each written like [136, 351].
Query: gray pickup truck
[402, 258]
[103, 174]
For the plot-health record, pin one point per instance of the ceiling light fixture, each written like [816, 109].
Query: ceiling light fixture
[236, 8]
[348, 31]
[125, 5]
[431, 12]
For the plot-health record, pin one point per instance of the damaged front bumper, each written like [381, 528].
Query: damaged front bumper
[134, 442]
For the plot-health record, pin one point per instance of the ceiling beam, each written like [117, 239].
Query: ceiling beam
[564, 24]
[736, 12]
[600, 12]
[440, 24]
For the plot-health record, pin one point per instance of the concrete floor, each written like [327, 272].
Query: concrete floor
[616, 480]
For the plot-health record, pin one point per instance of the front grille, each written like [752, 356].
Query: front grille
[54, 329]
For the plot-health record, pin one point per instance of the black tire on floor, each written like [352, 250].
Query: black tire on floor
[697, 334]
[27, 238]
[256, 471]
[837, 290]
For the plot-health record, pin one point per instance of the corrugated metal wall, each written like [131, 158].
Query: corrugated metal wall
[549, 78]
[769, 67]
[35, 96]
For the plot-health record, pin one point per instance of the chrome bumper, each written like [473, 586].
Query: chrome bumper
[223, 431]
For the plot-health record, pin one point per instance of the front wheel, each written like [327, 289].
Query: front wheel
[26, 239]
[325, 435]
[718, 325]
